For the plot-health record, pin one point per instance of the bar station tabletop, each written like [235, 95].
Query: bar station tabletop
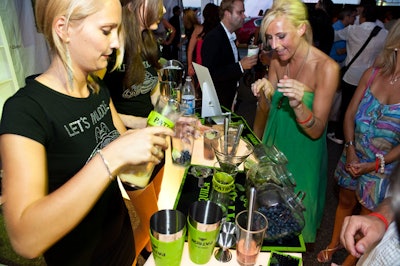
[179, 188]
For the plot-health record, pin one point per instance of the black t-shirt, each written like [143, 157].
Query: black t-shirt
[72, 130]
[135, 100]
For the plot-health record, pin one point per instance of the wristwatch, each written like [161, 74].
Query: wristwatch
[348, 144]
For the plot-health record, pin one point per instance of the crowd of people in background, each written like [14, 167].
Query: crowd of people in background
[298, 90]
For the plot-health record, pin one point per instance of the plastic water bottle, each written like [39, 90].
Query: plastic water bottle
[188, 97]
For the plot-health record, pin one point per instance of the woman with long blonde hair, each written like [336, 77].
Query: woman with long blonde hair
[294, 103]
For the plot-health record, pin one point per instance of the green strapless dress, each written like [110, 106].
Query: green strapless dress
[308, 158]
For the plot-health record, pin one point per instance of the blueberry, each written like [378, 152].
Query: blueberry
[281, 222]
[184, 158]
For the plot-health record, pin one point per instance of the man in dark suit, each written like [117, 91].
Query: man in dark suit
[220, 55]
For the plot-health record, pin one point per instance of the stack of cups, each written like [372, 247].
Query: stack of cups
[222, 184]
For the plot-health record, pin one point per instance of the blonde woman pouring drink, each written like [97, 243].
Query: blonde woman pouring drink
[294, 103]
[63, 143]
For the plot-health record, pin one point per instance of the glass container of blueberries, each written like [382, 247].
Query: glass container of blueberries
[265, 172]
[283, 209]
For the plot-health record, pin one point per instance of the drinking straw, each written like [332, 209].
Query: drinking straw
[237, 139]
[226, 128]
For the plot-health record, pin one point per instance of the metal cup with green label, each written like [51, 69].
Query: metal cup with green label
[167, 237]
[204, 222]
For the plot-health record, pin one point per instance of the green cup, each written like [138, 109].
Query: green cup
[223, 182]
[167, 237]
[203, 229]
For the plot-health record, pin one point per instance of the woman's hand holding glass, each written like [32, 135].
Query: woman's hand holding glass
[292, 89]
[139, 146]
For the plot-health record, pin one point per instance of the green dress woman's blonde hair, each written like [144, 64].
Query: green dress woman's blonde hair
[293, 10]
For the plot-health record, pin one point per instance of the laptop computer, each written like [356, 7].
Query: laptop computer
[210, 106]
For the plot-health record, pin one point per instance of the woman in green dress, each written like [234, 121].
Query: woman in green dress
[294, 103]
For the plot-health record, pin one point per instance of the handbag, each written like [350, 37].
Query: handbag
[373, 33]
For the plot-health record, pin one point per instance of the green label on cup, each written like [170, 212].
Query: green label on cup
[201, 244]
[156, 119]
[167, 253]
[223, 182]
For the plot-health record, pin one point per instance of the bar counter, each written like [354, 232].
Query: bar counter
[170, 186]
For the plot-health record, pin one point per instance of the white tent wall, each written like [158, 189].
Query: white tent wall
[253, 7]
[29, 50]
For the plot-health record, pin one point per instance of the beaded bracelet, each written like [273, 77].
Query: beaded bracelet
[311, 123]
[105, 162]
[380, 217]
[379, 163]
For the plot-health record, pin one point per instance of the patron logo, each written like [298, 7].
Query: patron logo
[204, 242]
[157, 253]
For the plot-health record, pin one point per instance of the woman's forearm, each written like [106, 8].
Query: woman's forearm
[133, 122]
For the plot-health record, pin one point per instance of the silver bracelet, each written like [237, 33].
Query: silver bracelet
[349, 143]
[381, 165]
[105, 162]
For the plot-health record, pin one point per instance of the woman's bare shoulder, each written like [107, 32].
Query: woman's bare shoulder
[323, 61]
[198, 29]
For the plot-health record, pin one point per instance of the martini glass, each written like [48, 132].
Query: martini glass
[230, 153]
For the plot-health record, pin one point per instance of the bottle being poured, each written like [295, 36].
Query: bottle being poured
[166, 112]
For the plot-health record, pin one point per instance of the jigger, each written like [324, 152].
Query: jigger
[225, 241]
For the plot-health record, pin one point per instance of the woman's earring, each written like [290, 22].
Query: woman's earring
[69, 70]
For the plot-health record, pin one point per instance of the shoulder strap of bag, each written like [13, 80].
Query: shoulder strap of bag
[374, 32]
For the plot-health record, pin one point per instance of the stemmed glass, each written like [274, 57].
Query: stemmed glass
[230, 154]
[200, 172]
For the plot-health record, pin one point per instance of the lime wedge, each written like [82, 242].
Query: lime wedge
[223, 177]
[211, 134]
[175, 154]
